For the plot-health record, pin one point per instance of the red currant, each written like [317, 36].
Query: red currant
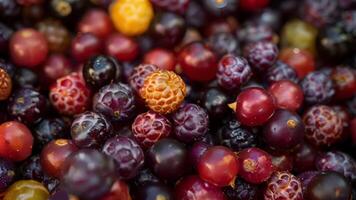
[288, 95]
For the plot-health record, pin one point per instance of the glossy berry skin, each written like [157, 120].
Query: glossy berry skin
[87, 169]
[128, 155]
[16, 141]
[320, 13]
[241, 190]
[216, 160]
[191, 122]
[162, 58]
[281, 71]
[284, 130]
[215, 101]
[95, 21]
[56, 66]
[99, 71]
[300, 60]
[196, 58]
[304, 157]
[323, 127]
[163, 91]
[233, 72]
[28, 48]
[253, 5]
[220, 8]
[196, 152]
[84, 46]
[255, 165]
[5, 85]
[283, 185]
[179, 6]
[91, 130]
[150, 127]
[317, 88]
[26, 189]
[261, 55]
[223, 43]
[7, 174]
[54, 154]
[339, 162]
[120, 190]
[121, 47]
[131, 18]
[27, 105]
[167, 158]
[69, 95]
[192, 187]
[49, 129]
[254, 106]
[288, 95]
[305, 179]
[154, 191]
[328, 186]
[139, 74]
[344, 79]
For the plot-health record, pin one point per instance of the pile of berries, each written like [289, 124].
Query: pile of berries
[177, 100]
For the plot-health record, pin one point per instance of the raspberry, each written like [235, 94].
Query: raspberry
[318, 88]
[283, 185]
[190, 122]
[261, 55]
[139, 74]
[69, 95]
[5, 85]
[163, 91]
[150, 127]
[320, 12]
[281, 71]
[323, 127]
[179, 6]
[233, 72]
[131, 17]
[116, 101]
[241, 191]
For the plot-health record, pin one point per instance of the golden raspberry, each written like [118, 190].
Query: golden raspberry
[131, 17]
[163, 91]
[5, 85]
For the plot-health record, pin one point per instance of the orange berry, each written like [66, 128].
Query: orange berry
[131, 17]
[5, 85]
[163, 91]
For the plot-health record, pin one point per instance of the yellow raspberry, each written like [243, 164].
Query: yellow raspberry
[131, 17]
[163, 91]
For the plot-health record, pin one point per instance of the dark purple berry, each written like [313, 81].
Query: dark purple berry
[116, 101]
[320, 12]
[191, 122]
[241, 191]
[195, 15]
[128, 156]
[223, 43]
[5, 34]
[215, 102]
[255, 32]
[154, 191]
[281, 71]
[91, 129]
[318, 88]
[7, 174]
[306, 177]
[144, 177]
[179, 6]
[196, 151]
[261, 55]
[269, 17]
[49, 129]
[9, 8]
[351, 105]
[25, 78]
[8, 67]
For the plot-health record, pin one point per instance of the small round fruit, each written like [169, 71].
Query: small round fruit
[95, 21]
[139, 74]
[305, 179]
[179, 6]
[84, 46]
[131, 17]
[344, 79]
[54, 155]
[154, 191]
[196, 152]
[5, 85]
[28, 48]
[304, 157]
[218, 166]
[7, 173]
[220, 8]
[317, 87]
[261, 55]
[120, 190]
[26, 189]
[283, 185]
[288, 95]
[241, 191]
[49, 129]
[253, 5]
[16, 141]
[55, 67]
[99, 71]
[254, 106]
[162, 58]
[300, 60]
[121, 47]
[163, 91]
[281, 71]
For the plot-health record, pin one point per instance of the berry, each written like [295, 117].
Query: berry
[288, 95]
[139, 74]
[339, 162]
[90, 129]
[116, 101]
[131, 17]
[67, 9]
[128, 155]
[84, 46]
[320, 13]
[317, 88]
[49, 129]
[55, 67]
[9, 68]
[99, 71]
[95, 21]
[283, 185]
[87, 169]
[254, 106]
[255, 165]
[27, 105]
[304, 157]
[179, 6]
[241, 191]
[9, 8]
[253, 5]
[220, 8]
[344, 79]
[281, 71]
[162, 58]
[119, 190]
[196, 58]
[69, 95]
[144, 176]
[154, 191]
[7, 173]
[25, 78]
[282, 161]
[215, 160]
[167, 158]
[150, 127]
[223, 43]
[163, 91]
[255, 32]
[323, 127]
[215, 102]
[197, 151]
[261, 55]
[195, 15]
[16, 141]
[305, 179]
[190, 122]
[300, 60]
[28, 189]
[233, 72]
[121, 47]
[5, 84]
[28, 48]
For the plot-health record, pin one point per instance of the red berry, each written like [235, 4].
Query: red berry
[344, 79]
[179, 6]
[288, 95]
[28, 48]
[255, 165]
[253, 5]
[96, 21]
[304, 157]
[69, 95]
[84, 46]
[283, 185]
[56, 66]
[301, 60]
[162, 58]
[16, 141]
[254, 106]
[121, 47]
[120, 190]
[5, 85]
[218, 166]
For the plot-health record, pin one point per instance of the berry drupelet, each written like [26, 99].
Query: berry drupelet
[317, 88]
[261, 55]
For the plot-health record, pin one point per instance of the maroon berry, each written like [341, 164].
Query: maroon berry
[262, 55]
[320, 13]
[56, 66]
[318, 88]
[283, 185]
[179, 6]
[121, 47]
[139, 74]
[255, 32]
[282, 161]
[233, 72]
[150, 127]
[223, 43]
[323, 127]
[196, 151]
[162, 58]
[288, 95]
[7, 173]
[281, 71]
[191, 122]
[95, 21]
[304, 157]
[306, 177]
[84, 46]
